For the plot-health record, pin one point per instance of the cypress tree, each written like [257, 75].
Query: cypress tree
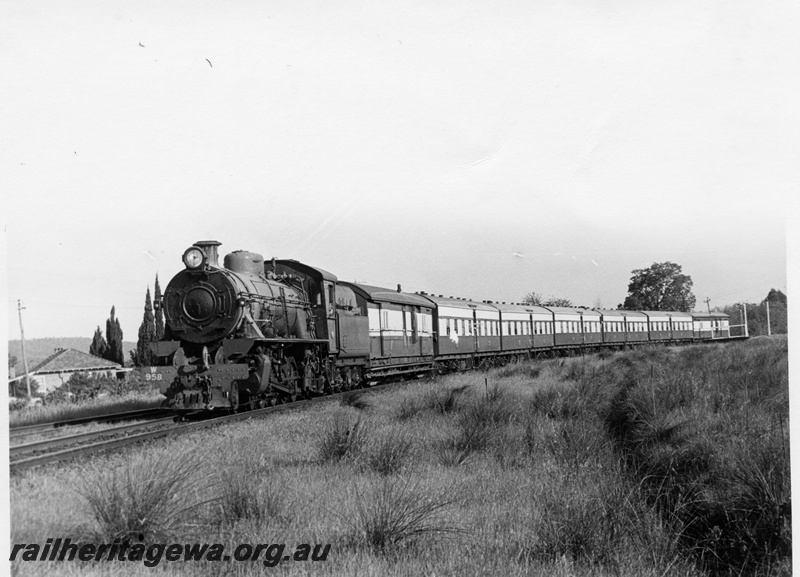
[114, 339]
[119, 354]
[147, 335]
[159, 312]
[99, 347]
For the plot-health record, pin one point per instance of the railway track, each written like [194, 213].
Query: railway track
[69, 447]
[25, 430]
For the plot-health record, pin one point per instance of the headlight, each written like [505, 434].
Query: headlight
[194, 257]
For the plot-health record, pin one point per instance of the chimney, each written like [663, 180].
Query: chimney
[210, 248]
[399, 289]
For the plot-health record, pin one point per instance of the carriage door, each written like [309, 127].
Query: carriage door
[329, 296]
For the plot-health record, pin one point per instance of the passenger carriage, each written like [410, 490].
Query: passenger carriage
[613, 323]
[669, 326]
[681, 324]
[711, 325]
[592, 327]
[465, 330]
[400, 329]
[567, 324]
[524, 327]
[636, 326]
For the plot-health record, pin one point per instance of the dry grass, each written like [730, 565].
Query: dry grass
[552, 470]
[85, 408]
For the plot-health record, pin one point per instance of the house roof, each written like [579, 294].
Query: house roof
[72, 360]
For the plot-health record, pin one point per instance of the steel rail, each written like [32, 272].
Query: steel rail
[15, 450]
[127, 415]
[71, 453]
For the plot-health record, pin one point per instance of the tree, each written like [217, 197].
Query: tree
[159, 312]
[662, 287]
[12, 361]
[147, 335]
[533, 299]
[757, 315]
[114, 351]
[558, 302]
[99, 346]
[775, 297]
[536, 299]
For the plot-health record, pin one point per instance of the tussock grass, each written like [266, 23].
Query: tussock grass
[355, 399]
[409, 408]
[150, 500]
[527, 370]
[393, 512]
[478, 424]
[597, 519]
[708, 443]
[343, 437]
[572, 444]
[389, 452]
[246, 497]
[642, 463]
[445, 400]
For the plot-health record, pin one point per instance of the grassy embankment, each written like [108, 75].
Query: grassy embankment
[652, 462]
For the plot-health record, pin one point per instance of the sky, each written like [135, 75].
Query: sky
[474, 149]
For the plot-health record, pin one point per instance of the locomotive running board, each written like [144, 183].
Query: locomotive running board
[291, 341]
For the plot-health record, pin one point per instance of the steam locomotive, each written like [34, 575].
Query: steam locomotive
[252, 333]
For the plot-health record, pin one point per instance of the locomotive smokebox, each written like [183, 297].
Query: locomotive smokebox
[210, 248]
[244, 262]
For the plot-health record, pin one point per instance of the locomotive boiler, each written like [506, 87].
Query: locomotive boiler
[237, 335]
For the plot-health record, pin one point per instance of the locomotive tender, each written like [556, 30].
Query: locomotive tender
[252, 333]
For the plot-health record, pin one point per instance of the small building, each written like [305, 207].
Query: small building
[57, 369]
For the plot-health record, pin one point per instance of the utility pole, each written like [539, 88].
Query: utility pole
[744, 312]
[708, 304]
[769, 329]
[24, 358]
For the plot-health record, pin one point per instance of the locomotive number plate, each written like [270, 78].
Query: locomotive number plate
[158, 374]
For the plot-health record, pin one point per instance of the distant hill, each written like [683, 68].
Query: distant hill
[38, 350]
